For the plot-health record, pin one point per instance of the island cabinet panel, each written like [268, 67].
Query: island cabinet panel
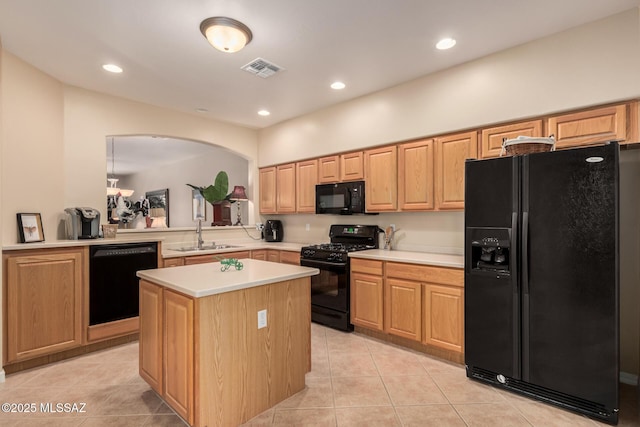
[352, 166]
[444, 317]
[150, 354]
[268, 190]
[451, 153]
[43, 303]
[328, 169]
[589, 127]
[492, 138]
[306, 180]
[381, 179]
[178, 352]
[286, 188]
[290, 257]
[403, 308]
[415, 176]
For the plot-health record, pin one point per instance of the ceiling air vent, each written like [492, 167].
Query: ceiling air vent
[262, 68]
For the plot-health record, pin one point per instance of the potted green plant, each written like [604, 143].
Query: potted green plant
[218, 195]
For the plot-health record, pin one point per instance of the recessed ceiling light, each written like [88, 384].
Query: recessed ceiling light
[201, 110]
[112, 68]
[446, 43]
[264, 112]
[338, 85]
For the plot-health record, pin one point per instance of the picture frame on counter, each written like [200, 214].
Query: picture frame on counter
[198, 206]
[30, 227]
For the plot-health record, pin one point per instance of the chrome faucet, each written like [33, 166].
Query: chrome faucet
[199, 233]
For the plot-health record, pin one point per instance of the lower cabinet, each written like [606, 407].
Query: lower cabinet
[290, 257]
[417, 302]
[150, 355]
[43, 302]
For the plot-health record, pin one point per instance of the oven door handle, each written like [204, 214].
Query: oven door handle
[323, 264]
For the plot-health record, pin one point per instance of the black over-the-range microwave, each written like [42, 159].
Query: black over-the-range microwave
[343, 198]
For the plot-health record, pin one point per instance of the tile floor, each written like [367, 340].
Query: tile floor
[355, 380]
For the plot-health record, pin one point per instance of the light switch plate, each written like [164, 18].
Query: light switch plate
[262, 319]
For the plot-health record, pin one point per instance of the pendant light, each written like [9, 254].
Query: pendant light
[112, 188]
[226, 34]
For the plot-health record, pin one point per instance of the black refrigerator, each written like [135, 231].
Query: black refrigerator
[542, 277]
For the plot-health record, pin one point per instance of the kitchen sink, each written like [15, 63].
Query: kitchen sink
[205, 248]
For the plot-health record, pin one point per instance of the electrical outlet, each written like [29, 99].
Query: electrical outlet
[307, 227]
[262, 319]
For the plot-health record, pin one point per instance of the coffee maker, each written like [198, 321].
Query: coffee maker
[273, 230]
[82, 223]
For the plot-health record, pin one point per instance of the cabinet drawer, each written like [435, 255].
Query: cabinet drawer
[426, 273]
[368, 266]
[173, 262]
[288, 257]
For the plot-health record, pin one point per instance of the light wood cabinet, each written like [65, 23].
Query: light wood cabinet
[286, 188]
[202, 259]
[173, 262]
[306, 180]
[268, 190]
[290, 257]
[589, 127]
[450, 155]
[492, 138]
[150, 355]
[329, 169]
[382, 179]
[273, 255]
[178, 354]
[403, 308]
[367, 292]
[415, 176]
[260, 254]
[444, 317]
[44, 302]
[352, 166]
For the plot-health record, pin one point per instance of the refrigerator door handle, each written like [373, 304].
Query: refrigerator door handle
[525, 253]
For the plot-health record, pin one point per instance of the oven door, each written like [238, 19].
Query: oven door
[330, 288]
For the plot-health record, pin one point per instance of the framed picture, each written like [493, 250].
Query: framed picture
[30, 227]
[159, 207]
[198, 206]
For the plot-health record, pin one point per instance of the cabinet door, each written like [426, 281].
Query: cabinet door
[403, 308]
[289, 257]
[366, 301]
[415, 176]
[381, 179]
[589, 127]
[286, 188]
[306, 180]
[173, 262]
[43, 303]
[268, 190]
[273, 255]
[178, 353]
[491, 141]
[260, 254]
[329, 169]
[451, 153]
[150, 354]
[444, 317]
[352, 166]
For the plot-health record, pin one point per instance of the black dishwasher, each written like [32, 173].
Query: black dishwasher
[113, 285]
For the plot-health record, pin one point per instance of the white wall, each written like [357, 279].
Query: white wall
[200, 170]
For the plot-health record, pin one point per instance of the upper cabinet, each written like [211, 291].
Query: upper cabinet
[590, 127]
[329, 169]
[352, 166]
[415, 176]
[306, 180]
[491, 141]
[268, 190]
[286, 188]
[380, 165]
[450, 155]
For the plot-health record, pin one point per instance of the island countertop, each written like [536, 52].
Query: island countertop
[202, 280]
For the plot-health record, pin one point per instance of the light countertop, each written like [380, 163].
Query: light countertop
[424, 258]
[79, 242]
[202, 280]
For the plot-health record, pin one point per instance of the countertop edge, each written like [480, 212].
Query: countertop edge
[421, 258]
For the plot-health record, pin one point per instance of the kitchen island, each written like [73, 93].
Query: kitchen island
[221, 347]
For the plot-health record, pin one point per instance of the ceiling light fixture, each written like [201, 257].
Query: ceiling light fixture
[338, 85]
[112, 68]
[264, 113]
[226, 34]
[446, 43]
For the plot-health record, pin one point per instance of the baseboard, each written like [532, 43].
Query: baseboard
[627, 378]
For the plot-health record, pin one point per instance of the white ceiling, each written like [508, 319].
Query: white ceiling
[368, 44]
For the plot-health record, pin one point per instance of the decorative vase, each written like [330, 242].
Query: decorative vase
[221, 213]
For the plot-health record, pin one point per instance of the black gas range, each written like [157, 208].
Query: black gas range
[330, 289]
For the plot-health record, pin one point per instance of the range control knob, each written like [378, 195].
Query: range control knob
[308, 252]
